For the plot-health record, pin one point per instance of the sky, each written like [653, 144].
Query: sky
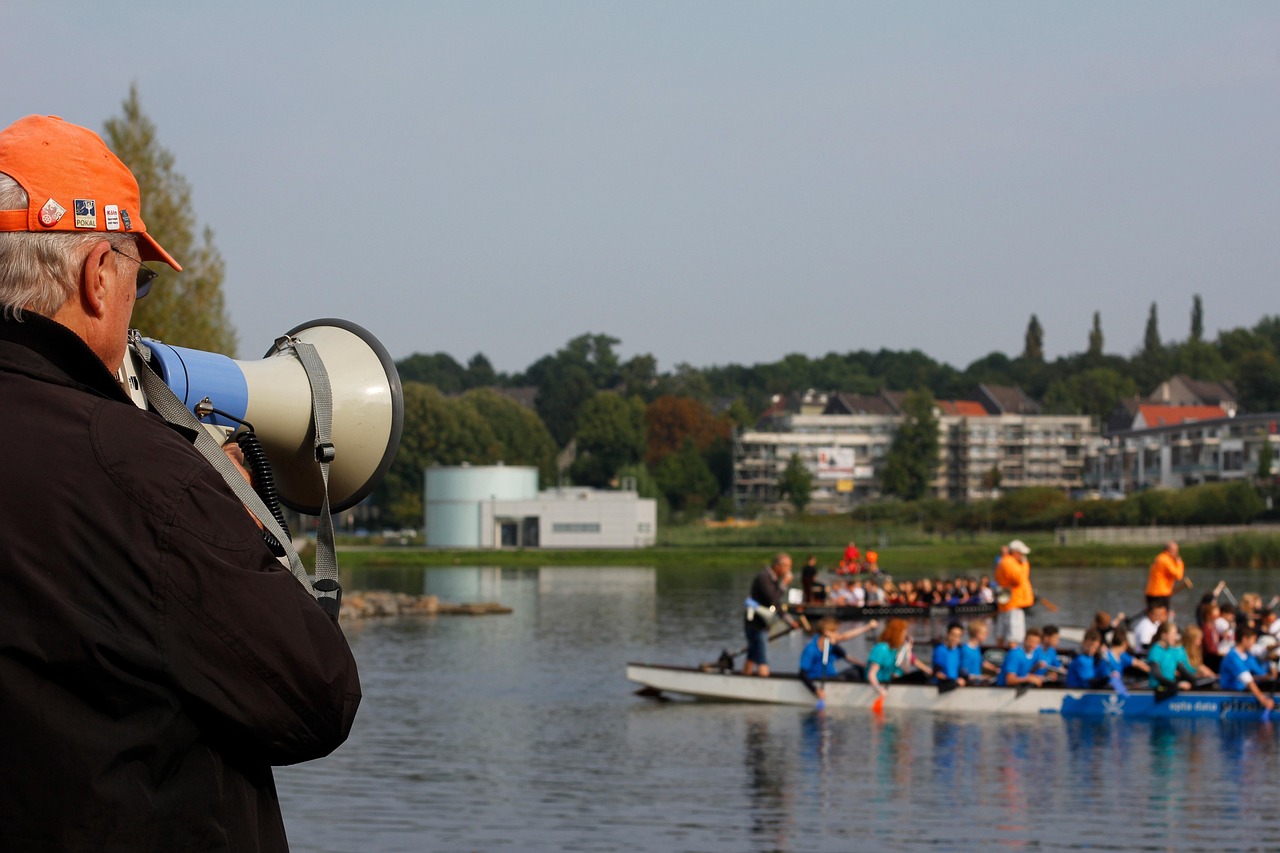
[711, 182]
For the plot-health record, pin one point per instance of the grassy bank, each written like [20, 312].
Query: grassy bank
[903, 551]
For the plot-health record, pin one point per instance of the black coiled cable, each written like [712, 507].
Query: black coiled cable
[264, 484]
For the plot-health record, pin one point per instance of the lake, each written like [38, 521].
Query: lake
[520, 732]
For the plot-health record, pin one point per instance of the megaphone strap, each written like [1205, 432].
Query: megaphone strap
[169, 407]
[328, 589]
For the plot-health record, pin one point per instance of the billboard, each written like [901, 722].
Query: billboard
[835, 463]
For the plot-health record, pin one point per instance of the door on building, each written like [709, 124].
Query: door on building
[529, 532]
[510, 534]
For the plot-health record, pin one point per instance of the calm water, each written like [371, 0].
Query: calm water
[520, 732]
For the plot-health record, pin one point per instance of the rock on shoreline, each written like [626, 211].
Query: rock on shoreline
[377, 603]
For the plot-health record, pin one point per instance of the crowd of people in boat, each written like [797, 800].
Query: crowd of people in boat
[1227, 646]
[876, 589]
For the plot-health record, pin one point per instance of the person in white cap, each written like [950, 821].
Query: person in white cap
[1013, 576]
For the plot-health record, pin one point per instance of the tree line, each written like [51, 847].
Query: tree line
[598, 419]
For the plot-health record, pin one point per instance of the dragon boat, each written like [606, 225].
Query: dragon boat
[707, 683]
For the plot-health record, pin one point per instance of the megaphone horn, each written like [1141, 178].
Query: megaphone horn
[273, 395]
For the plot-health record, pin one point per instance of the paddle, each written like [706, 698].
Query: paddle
[725, 662]
[1048, 605]
[877, 707]
[822, 682]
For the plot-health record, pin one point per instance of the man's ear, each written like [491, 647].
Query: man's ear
[93, 279]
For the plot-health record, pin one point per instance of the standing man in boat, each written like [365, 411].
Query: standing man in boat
[155, 658]
[1167, 576]
[764, 607]
[1013, 576]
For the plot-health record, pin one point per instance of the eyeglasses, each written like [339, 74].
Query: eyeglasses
[146, 275]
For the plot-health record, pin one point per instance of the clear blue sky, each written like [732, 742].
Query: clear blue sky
[711, 182]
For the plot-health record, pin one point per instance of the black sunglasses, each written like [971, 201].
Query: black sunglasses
[146, 275]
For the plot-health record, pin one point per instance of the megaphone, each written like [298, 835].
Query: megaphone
[272, 396]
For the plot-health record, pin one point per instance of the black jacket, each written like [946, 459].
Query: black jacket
[155, 659]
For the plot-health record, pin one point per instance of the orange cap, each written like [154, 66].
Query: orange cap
[73, 182]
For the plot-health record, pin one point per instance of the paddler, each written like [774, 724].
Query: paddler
[764, 606]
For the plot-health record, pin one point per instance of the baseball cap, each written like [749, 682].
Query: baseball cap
[73, 183]
[1019, 546]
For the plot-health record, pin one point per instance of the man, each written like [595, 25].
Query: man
[1145, 630]
[1016, 669]
[1013, 576]
[764, 607]
[1045, 661]
[1240, 670]
[947, 658]
[1166, 576]
[155, 659]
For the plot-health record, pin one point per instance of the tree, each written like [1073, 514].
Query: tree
[480, 372]
[1265, 459]
[571, 377]
[685, 479]
[521, 436]
[439, 369]
[610, 435]
[1197, 318]
[913, 455]
[1092, 392]
[1034, 347]
[670, 420]
[1095, 336]
[1151, 345]
[185, 308]
[796, 483]
[437, 431]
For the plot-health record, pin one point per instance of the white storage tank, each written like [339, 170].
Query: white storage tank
[455, 496]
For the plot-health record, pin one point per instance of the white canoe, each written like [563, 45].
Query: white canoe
[788, 689]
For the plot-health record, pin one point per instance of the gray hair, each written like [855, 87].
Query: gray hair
[39, 271]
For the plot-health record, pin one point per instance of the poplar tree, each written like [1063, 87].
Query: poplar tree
[186, 308]
[1095, 335]
[1034, 349]
[1151, 338]
[1197, 318]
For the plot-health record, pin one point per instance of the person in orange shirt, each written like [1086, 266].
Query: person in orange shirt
[1167, 576]
[1013, 576]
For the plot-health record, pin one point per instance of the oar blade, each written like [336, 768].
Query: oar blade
[877, 707]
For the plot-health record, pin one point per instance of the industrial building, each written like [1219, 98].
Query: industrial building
[500, 506]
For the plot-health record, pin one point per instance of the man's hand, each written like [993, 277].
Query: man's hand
[236, 455]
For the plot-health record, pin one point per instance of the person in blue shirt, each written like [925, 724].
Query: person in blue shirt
[818, 660]
[973, 666]
[1045, 661]
[946, 658]
[1016, 669]
[1240, 669]
[1085, 669]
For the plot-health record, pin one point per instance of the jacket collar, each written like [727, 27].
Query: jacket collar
[56, 353]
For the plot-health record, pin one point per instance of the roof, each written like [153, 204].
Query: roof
[1182, 390]
[963, 408]
[1007, 400]
[840, 403]
[1150, 415]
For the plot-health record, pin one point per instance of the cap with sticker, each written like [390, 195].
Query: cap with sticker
[57, 162]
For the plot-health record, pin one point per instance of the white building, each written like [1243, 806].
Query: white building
[500, 507]
[1171, 452]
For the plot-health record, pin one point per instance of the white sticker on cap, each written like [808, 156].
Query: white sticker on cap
[112, 214]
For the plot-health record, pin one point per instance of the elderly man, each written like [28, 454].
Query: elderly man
[764, 607]
[155, 659]
[1166, 576]
[1013, 576]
